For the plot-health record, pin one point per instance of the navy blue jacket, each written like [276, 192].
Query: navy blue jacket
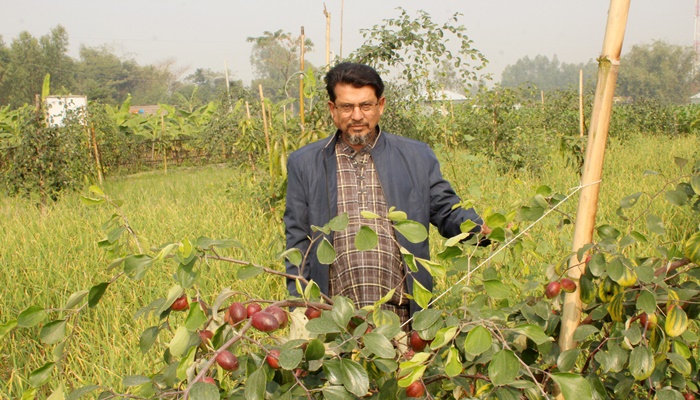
[409, 173]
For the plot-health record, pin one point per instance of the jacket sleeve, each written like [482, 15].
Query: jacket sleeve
[296, 220]
[443, 215]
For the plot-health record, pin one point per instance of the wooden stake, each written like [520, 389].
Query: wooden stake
[301, 79]
[97, 156]
[264, 115]
[608, 67]
[342, 10]
[328, 37]
[582, 125]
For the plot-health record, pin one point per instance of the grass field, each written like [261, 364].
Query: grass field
[49, 253]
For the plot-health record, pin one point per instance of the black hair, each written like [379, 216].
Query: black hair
[357, 75]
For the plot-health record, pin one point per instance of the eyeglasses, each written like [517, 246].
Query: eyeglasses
[349, 108]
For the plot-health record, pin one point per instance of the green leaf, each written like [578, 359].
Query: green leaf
[655, 225]
[646, 302]
[53, 332]
[584, 331]
[413, 231]
[444, 337]
[354, 377]
[496, 289]
[379, 345]
[180, 342]
[336, 393]
[567, 359]
[89, 201]
[497, 235]
[75, 299]
[680, 364]
[616, 269]
[503, 368]
[453, 364]
[608, 232]
[425, 318]
[322, 325]
[455, 240]
[135, 266]
[94, 189]
[691, 248]
[249, 271]
[41, 375]
[315, 350]
[7, 327]
[496, 220]
[365, 239]
[291, 358]
[31, 316]
[135, 380]
[204, 391]
[421, 295]
[293, 256]
[342, 310]
[196, 317]
[597, 264]
[325, 252]
[680, 162]
[630, 200]
[478, 341]
[526, 213]
[534, 332]
[339, 222]
[668, 393]
[572, 386]
[677, 197]
[147, 338]
[397, 216]
[467, 226]
[369, 215]
[641, 363]
[78, 393]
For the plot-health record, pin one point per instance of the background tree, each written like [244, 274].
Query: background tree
[658, 71]
[546, 74]
[275, 58]
[24, 75]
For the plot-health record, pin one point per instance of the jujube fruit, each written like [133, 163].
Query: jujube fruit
[279, 313]
[227, 360]
[264, 321]
[237, 313]
[568, 285]
[416, 389]
[252, 309]
[552, 290]
[273, 358]
[180, 303]
[312, 313]
[416, 342]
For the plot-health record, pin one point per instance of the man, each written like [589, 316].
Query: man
[362, 168]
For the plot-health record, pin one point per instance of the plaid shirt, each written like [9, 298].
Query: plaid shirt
[365, 276]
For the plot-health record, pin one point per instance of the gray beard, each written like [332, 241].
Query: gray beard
[354, 140]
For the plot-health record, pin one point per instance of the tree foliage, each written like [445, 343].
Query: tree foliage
[546, 74]
[658, 71]
[275, 59]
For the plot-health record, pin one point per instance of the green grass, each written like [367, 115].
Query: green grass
[49, 253]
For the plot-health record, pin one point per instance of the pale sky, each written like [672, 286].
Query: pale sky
[210, 33]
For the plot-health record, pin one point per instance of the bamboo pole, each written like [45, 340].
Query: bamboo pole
[582, 125]
[328, 37]
[342, 11]
[264, 115]
[301, 79]
[608, 66]
[98, 163]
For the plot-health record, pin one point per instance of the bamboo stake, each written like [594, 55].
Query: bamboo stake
[264, 115]
[165, 149]
[97, 156]
[328, 37]
[301, 79]
[342, 11]
[608, 67]
[582, 125]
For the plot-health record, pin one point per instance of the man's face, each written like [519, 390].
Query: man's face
[356, 113]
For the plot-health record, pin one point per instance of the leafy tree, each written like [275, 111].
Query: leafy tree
[57, 61]
[658, 71]
[203, 86]
[103, 76]
[547, 74]
[415, 46]
[275, 59]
